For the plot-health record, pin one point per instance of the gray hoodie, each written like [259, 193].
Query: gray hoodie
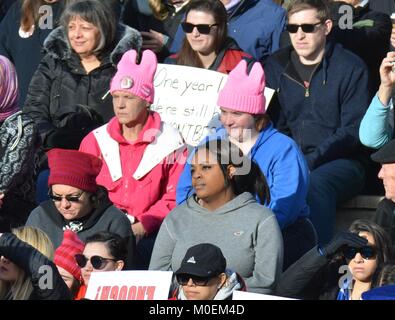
[247, 233]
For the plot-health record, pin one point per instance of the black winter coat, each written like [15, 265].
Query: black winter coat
[31, 261]
[67, 103]
[312, 277]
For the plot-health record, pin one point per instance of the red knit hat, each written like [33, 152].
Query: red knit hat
[74, 168]
[64, 254]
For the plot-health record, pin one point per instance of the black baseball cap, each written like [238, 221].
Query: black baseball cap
[203, 260]
[386, 154]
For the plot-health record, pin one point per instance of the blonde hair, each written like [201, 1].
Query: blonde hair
[22, 288]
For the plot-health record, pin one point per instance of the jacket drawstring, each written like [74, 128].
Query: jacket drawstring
[19, 136]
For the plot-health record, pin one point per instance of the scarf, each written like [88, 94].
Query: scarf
[8, 89]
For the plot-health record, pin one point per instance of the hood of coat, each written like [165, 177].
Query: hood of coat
[58, 46]
[238, 202]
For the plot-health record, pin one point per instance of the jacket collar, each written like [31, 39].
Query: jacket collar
[284, 59]
[54, 215]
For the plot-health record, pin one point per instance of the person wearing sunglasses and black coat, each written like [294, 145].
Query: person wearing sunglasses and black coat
[343, 269]
[77, 202]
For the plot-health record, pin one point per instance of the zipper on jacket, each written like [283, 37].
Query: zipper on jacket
[306, 89]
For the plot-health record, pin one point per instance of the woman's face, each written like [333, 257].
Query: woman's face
[108, 264]
[83, 36]
[239, 125]
[74, 203]
[129, 109]
[207, 292]
[363, 269]
[9, 271]
[202, 43]
[207, 177]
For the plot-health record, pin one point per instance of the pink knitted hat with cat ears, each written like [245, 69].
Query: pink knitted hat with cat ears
[137, 79]
[243, 92]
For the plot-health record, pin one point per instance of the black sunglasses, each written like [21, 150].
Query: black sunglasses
[306, 27]
[183, 280]
[202, 28]
[367, 252]
[97, 262]
[69, 198]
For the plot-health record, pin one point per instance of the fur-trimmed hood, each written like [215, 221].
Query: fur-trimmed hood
[58, 46]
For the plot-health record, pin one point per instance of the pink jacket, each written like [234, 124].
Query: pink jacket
[149, 196]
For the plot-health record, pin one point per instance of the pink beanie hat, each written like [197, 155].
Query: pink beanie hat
[137, 79]
[244, 92]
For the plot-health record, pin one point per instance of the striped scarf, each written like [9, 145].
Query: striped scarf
[8, 89]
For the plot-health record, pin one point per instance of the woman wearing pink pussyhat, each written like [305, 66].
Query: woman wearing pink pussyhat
[77, 202]
[142, 156]
[245, 123]
[65, 261]
[19, 142]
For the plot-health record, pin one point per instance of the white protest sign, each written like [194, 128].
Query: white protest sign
[186, 98]
[129, 285]
[243, 295]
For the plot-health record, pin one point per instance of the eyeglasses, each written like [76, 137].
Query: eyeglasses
[97, 262]
[201, 28]
[183, 280]
[306, 27]
[69, 198]
[367, 252]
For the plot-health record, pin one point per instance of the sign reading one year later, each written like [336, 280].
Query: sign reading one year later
[186, 98]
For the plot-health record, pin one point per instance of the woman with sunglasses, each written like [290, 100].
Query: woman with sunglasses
[26, 268]
[203, 275]
[104, 251]
[224, 212]
[206, 44]
[343, 269]
[76, 201]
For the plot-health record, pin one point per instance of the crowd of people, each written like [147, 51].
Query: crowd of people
[93, 180]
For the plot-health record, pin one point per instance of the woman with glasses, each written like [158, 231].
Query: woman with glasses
[104, 251]
[76, 201]
[206, 44]
[203, 275]
[26, 268]
[343, 269]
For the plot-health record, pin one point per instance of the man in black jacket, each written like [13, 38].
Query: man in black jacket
[322, 96]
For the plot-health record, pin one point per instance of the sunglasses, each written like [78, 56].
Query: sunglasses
[367, 252]
[183, 280]
[306, 27]
[69, 198]
[97, 262]
[201, 28]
